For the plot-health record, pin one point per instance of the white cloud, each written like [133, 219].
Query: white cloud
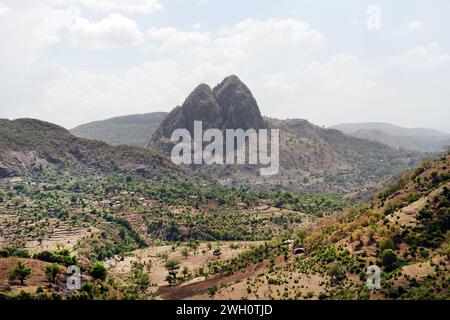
[132, 6]
[276, 58]
[4, 10]
[173, 39]
[415, 25]
[202, 2]
[411, 27]
[114, 31]
[243, 48]
[24, 33]
[425, 57]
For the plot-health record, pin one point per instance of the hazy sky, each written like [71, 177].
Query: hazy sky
[71, 62]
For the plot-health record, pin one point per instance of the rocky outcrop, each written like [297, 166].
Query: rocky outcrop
[230, 105]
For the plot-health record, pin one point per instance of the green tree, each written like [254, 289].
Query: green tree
[172, 267]
[98, 271]
[337, 272]
[51, 272]
[389, 259]
[185, 252]
[21, 272]
[386, 243]
[185, 272]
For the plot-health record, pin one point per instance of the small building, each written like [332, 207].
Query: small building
[299, 250]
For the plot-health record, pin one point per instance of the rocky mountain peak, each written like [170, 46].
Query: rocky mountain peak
[230, 105]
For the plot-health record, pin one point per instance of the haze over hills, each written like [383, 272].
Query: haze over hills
[133, 130]
[416, 139]
[312, 158]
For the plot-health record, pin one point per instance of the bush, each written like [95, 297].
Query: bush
[217, 252]
[19, 187]
[172, 267]
[212, 291]
[386, 243]
[21, 272]
[4, 253]
[389, 259]
[19, 253]
[337, 272]
[98, 271]
[59, 256]
[51, 272]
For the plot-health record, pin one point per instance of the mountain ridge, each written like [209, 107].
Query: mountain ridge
[29, 146]
[414, 139]
[229, 105]
[310, 156]
[133, 130]
[389, 128]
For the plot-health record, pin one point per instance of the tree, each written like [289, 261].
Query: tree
[389, 259]
[172, 267]
[21, 272]
[51, 272]
[217, 253]
[185, 252]
[386, 243]
[337, 272]
[185, 272]
[98, 271]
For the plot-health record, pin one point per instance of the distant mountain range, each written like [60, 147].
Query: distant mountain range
[135, 130]
[416, 139]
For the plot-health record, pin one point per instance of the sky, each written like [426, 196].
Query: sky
[71, 62]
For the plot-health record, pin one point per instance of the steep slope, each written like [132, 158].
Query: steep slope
[28, 145]
[405, 231]
[133, 130]
[417, 139]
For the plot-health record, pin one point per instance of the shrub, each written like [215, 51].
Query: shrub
[51, 272]
[172, 267]
[337, 272]
[59, 256]
[98, 271]
[4, 253]
[386, 243]
[21, 272]
[389, 259]
[217, 252]
[19, 253]
[212, 290]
